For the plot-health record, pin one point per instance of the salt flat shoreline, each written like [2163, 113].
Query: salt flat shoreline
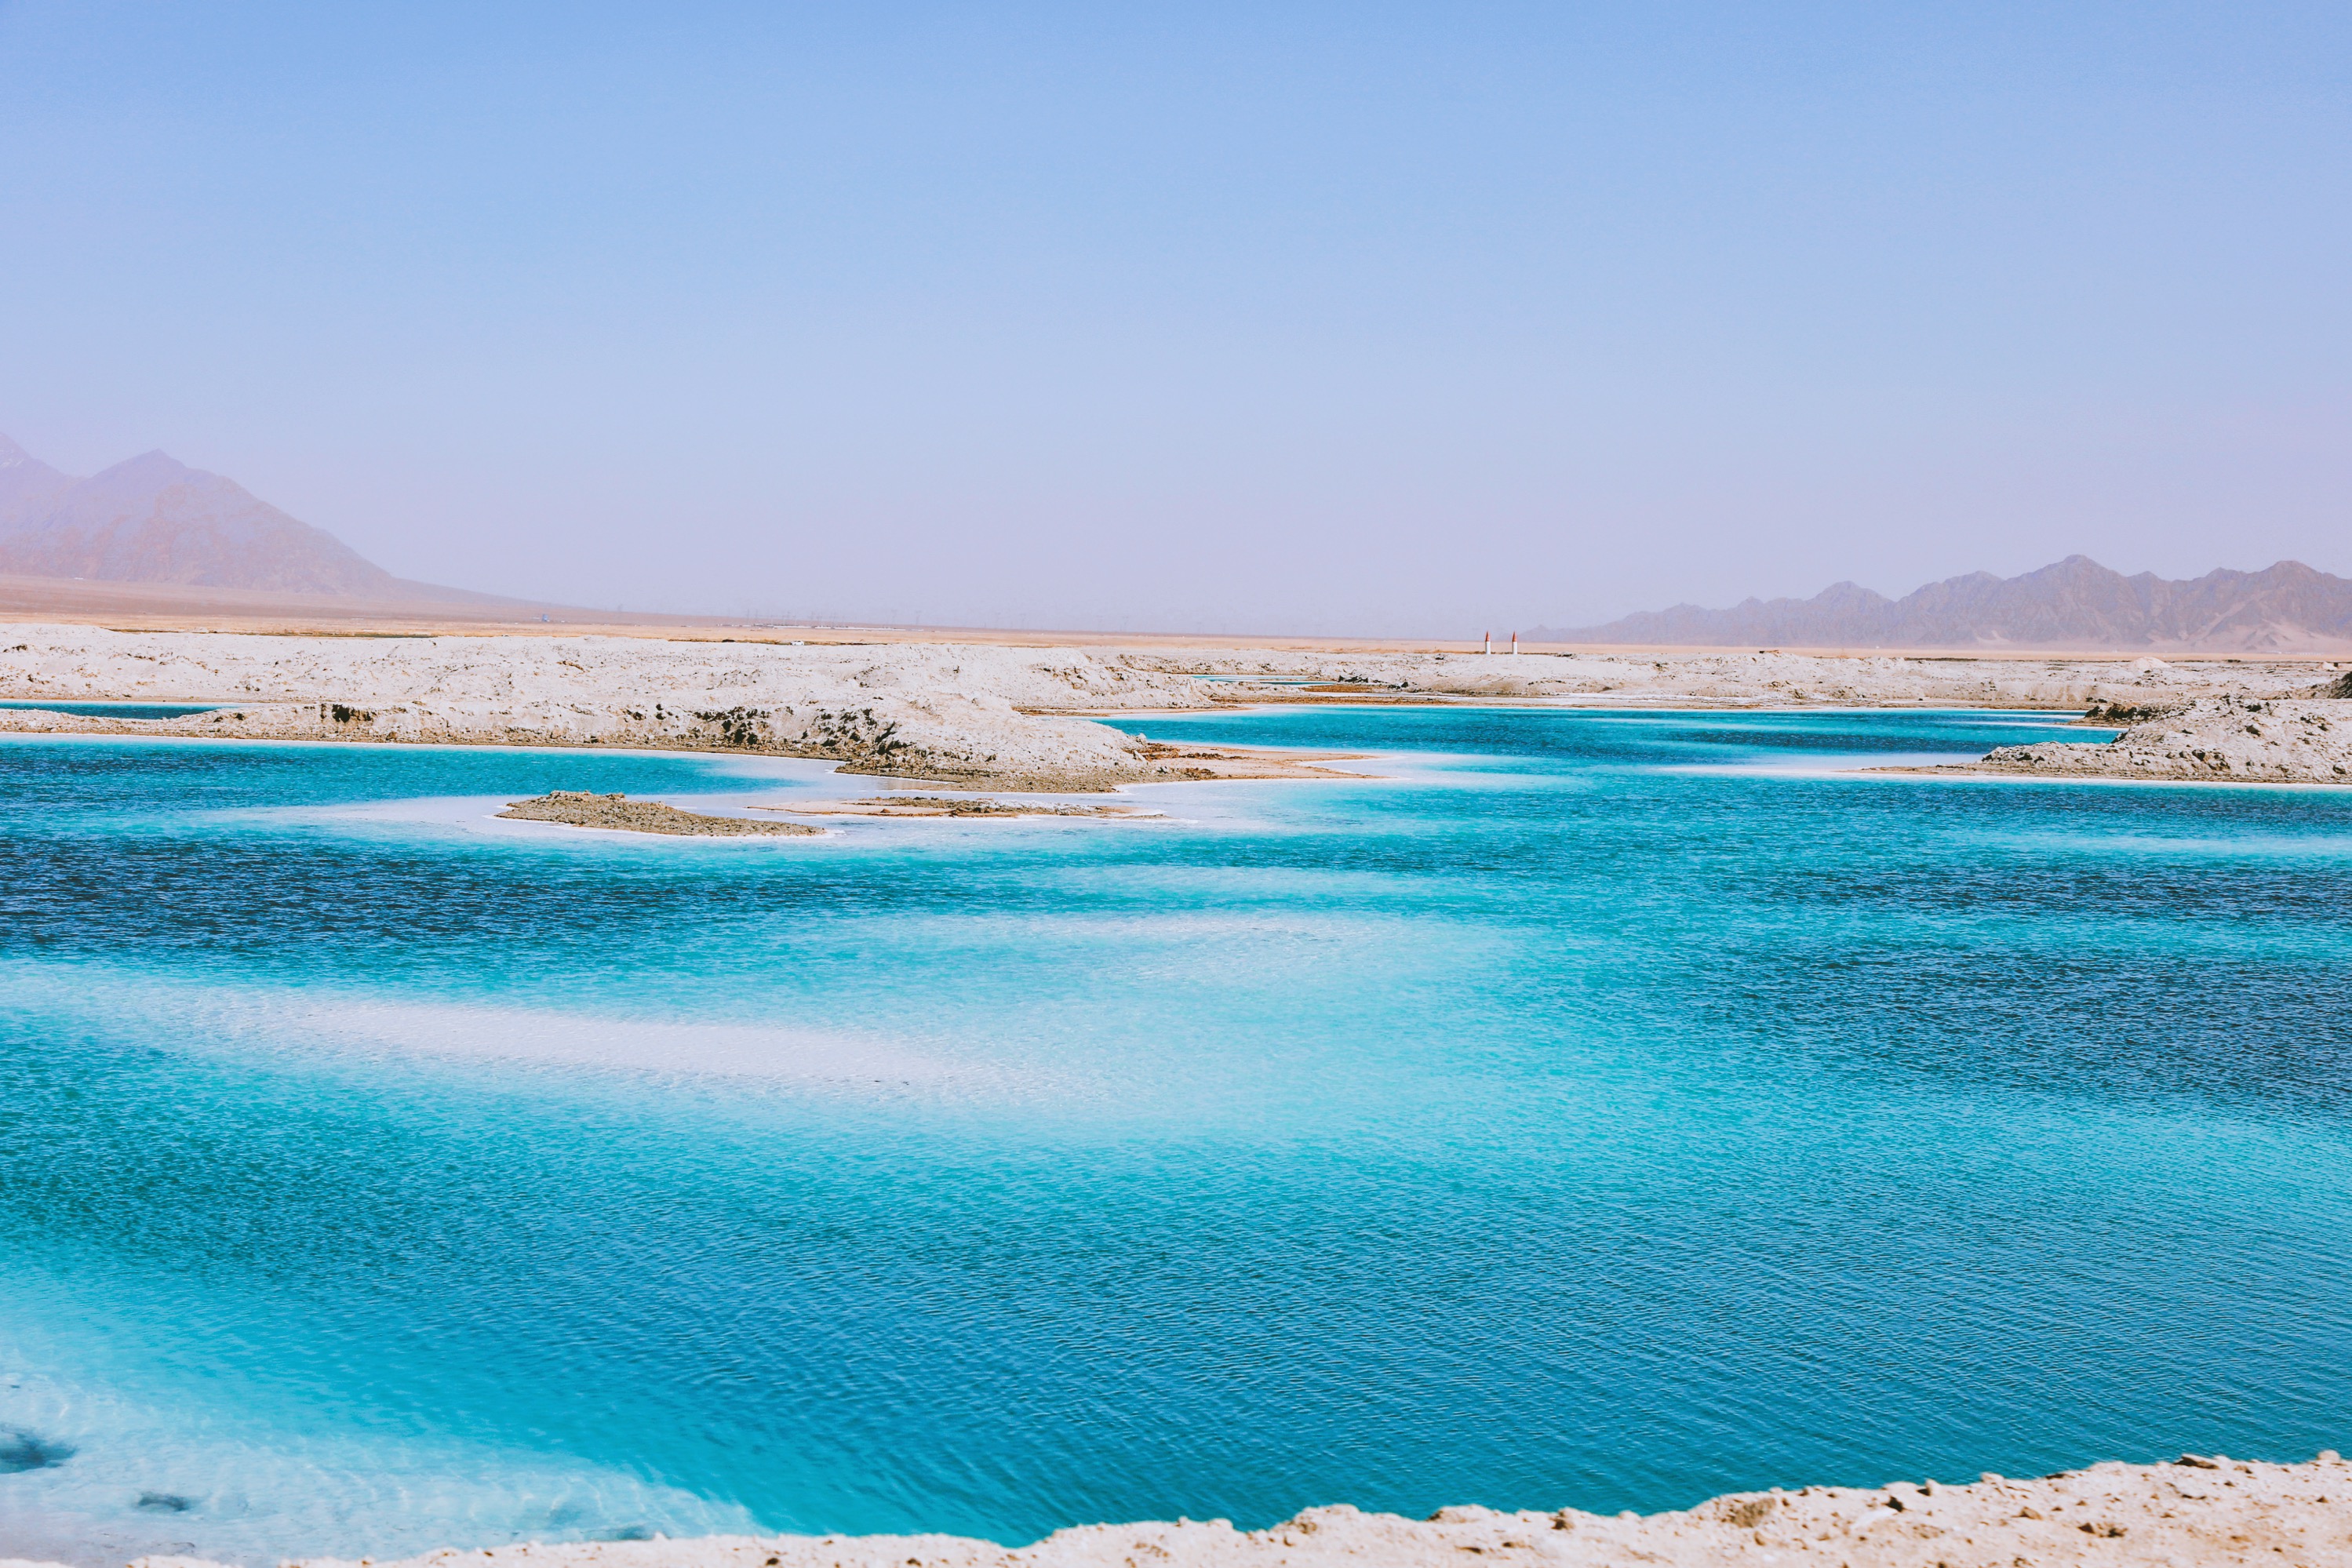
[2193, 1510]
[1006, 719]
[978, 716]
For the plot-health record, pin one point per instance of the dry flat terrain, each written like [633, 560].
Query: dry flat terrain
[2190, 1513]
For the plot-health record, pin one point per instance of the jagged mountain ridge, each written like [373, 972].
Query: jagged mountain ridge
[2074, 604]
[152, 518]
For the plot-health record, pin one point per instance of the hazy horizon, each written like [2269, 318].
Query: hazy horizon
[1203, 319]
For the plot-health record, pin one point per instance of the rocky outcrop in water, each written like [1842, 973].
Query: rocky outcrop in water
[2223, 739]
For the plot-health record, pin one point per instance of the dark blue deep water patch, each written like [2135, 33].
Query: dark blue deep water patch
[21, 1451]
[1603, 1110]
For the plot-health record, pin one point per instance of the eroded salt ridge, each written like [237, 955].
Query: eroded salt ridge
[1001, 718]
[928, 711]
[2227, 739]
[2192, 1511]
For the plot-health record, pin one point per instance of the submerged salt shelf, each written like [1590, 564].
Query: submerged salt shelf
[1597, 1110]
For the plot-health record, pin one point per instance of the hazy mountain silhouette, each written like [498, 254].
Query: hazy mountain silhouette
[2076, 603]
[155, 520]
[28, 485]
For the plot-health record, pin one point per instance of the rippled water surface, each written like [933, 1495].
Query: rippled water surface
[1601, 1109]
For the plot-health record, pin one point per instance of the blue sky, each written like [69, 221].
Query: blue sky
[1420, 320]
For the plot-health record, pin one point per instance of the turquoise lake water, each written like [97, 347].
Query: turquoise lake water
[117, 710]
[1603, 1110]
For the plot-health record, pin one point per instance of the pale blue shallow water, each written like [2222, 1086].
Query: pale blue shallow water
[1605, 1110]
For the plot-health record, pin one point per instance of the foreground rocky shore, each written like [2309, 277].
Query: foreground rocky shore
[2193, 1510]
[2304, 738]
[2227, 739]
[982, 715]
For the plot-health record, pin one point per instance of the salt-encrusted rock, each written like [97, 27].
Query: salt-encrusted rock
[2121, 713]
[2225, 739]
[914, 710]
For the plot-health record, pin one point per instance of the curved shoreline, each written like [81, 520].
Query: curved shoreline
[964, 716]
[2181, 1512]
[2191, 1511]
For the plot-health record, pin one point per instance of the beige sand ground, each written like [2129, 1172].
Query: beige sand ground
[2194, 1511]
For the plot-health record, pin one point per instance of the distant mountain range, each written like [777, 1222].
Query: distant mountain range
[2076, 603]
[155, 520]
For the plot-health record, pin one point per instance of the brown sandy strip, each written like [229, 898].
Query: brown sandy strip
[618, 814]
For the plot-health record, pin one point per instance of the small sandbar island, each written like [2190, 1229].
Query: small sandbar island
[618, 814]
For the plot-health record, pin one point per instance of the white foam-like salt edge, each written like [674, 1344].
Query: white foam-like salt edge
[1178, 803]
[255, 1486]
